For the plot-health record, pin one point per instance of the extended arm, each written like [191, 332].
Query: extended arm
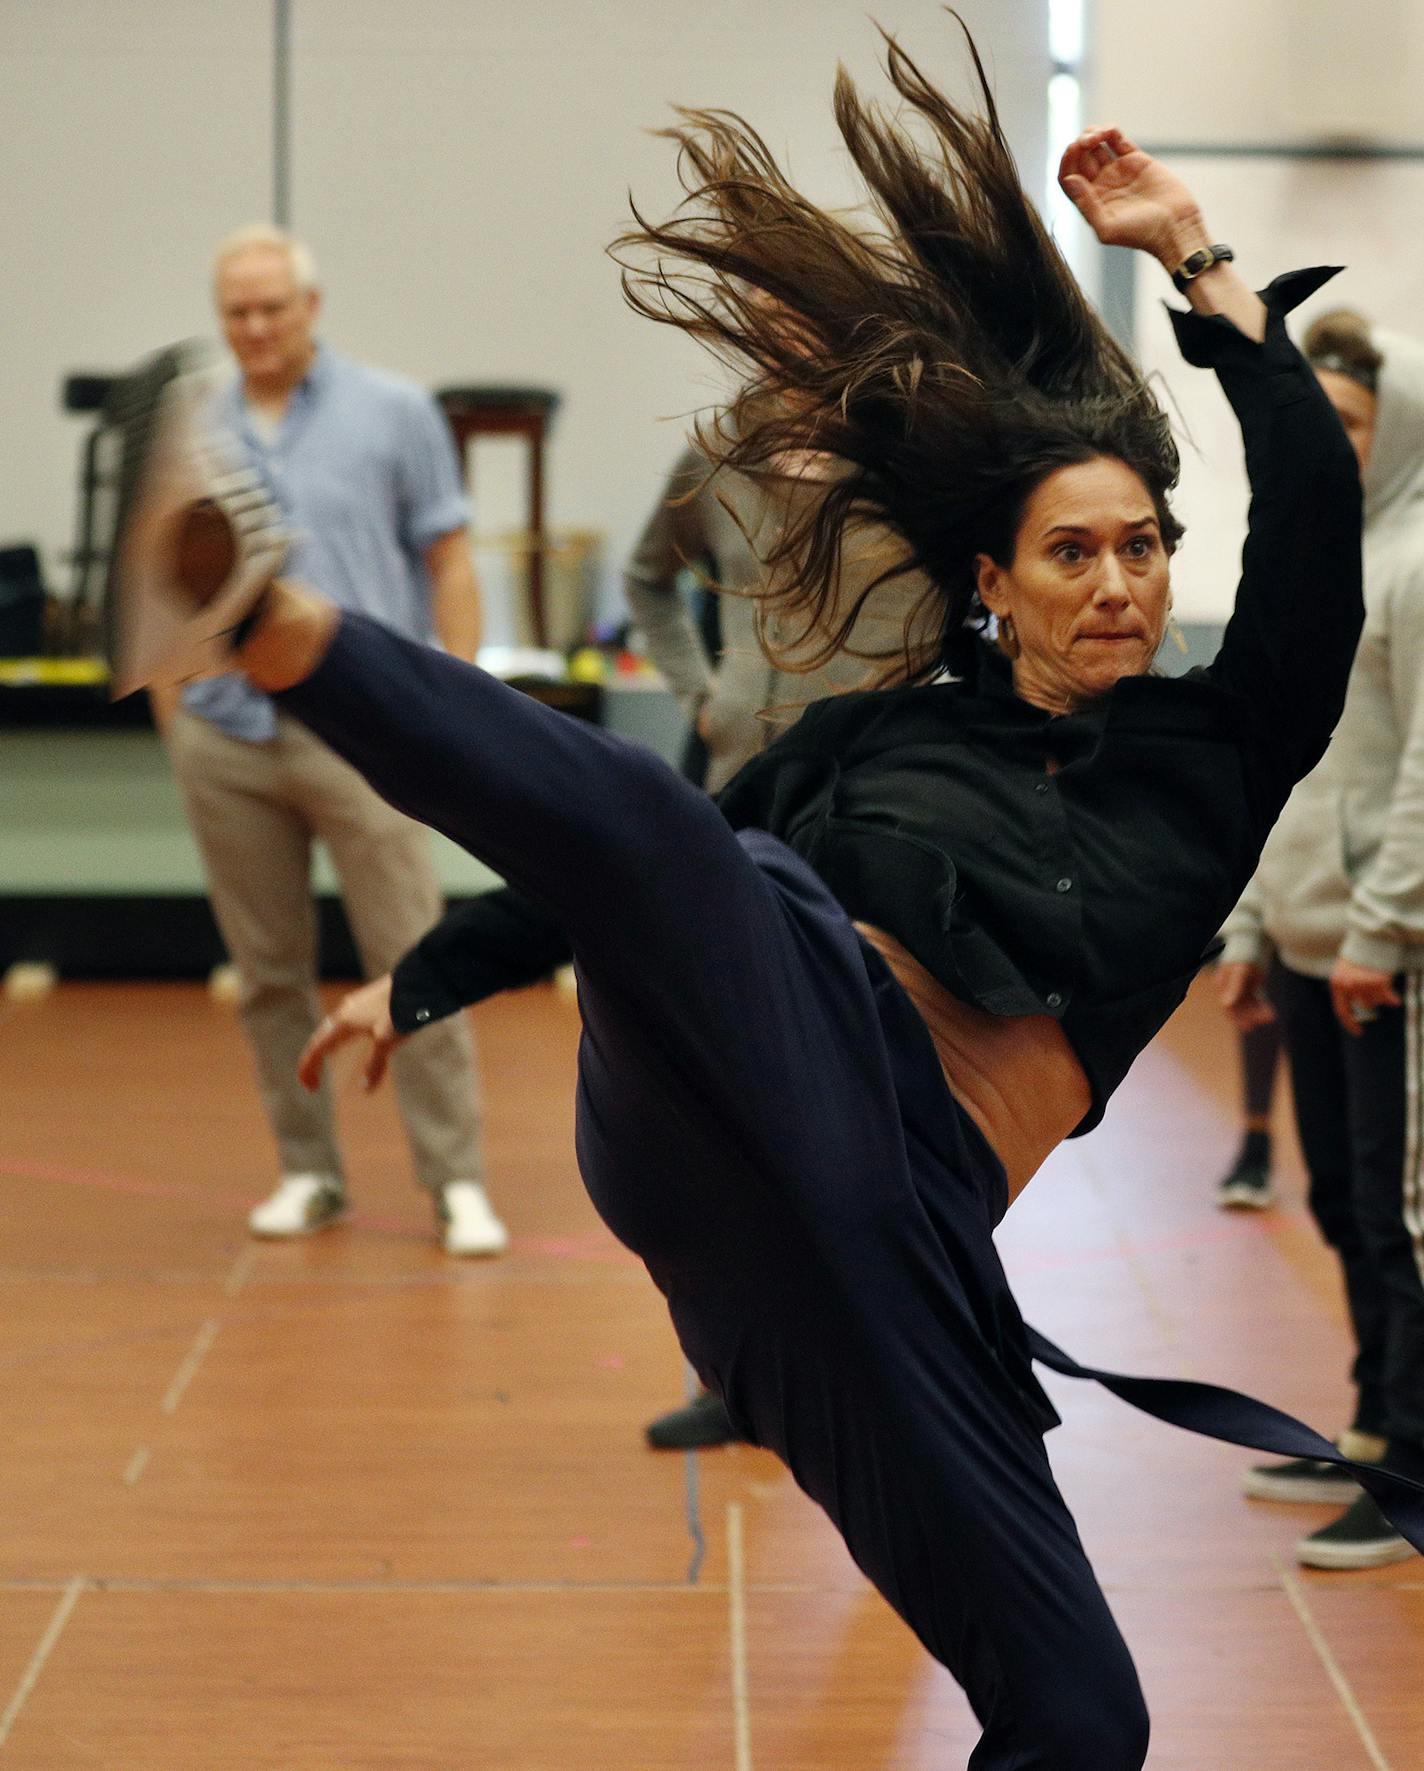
[1289, 644]
[1130, 199]
[1287, 649]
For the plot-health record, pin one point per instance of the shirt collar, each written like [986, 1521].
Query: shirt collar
[319, 373]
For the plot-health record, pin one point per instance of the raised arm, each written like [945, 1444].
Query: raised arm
[1287, 650]
[1129, 199]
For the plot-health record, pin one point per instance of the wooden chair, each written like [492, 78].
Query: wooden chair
[490, 410]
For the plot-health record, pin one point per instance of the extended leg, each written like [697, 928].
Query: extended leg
[741, 1125]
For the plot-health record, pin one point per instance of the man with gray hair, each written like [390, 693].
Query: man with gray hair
[364, 468]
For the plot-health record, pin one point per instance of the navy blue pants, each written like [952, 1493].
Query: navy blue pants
[1357, 1108]
[762, 1119]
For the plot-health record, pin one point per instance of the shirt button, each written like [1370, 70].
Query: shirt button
[1065, 885]
[1054, 999]
[1040, 787]
[422, 1014]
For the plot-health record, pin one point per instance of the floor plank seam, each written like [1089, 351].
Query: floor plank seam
[137, 1464]
[1162, 1319]
[692, 1487]
[31, 1675]
[240, 1272]
[563, 1272]
[202, 1344]
[99, 1583]
[1334, 1671]
[737, 1634]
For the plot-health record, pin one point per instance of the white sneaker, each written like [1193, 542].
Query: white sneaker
[470, 1224]
[199, 538]
[299, 1205]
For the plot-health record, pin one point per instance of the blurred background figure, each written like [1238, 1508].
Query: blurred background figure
[1339, 898]
[718, 527]
[363, 467]
[1248, 1184]
[705, 644]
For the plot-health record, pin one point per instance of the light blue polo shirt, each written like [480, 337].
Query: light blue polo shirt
[364, 468]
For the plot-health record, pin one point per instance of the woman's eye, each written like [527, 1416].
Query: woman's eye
[1069, 552]
[1140, 546]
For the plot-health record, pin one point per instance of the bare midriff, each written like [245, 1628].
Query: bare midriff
[1016, 1077]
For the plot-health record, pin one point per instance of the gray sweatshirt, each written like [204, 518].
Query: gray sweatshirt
[723, 531]
[1342, 875]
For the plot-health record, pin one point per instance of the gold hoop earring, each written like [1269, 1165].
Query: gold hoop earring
[1008, 637]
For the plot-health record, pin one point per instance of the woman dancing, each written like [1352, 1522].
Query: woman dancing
[824, 1049]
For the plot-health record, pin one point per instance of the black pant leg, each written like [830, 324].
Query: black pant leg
[1315, 1046]
[1382, 1067]
[1260, 1050]
[739, 1125]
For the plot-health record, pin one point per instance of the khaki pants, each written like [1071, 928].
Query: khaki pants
[255, 810]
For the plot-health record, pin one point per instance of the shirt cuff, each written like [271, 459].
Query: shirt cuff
[1373, 952]
[418, 997]
[440, 518]
[1209, 340]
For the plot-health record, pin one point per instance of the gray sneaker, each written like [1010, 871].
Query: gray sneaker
[1301, 1479]
[1360, 1538]
[298, 1205]
[1246, 1186]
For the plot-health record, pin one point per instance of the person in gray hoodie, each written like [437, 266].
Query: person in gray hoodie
[719, 525]
[1339, 899]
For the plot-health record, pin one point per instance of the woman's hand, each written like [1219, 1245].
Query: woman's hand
[364, 1014]
[1358, 993]
[1241, 988]
[1129, 199]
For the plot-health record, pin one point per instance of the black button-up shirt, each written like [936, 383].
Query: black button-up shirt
[1075, 865]
[1079, 865]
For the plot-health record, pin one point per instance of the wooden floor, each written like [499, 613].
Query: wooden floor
[347, 1503]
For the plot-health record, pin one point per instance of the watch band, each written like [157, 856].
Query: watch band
[1196, 262]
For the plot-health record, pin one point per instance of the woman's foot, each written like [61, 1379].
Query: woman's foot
[702, 1423]
[199, 541]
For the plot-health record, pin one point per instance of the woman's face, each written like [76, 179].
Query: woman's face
[1086, 594]
[1356, 406]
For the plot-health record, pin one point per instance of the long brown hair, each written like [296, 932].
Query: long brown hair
[945, 357]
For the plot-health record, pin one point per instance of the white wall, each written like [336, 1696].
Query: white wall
[459, 167]
[127, 129]
[1272, 71]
